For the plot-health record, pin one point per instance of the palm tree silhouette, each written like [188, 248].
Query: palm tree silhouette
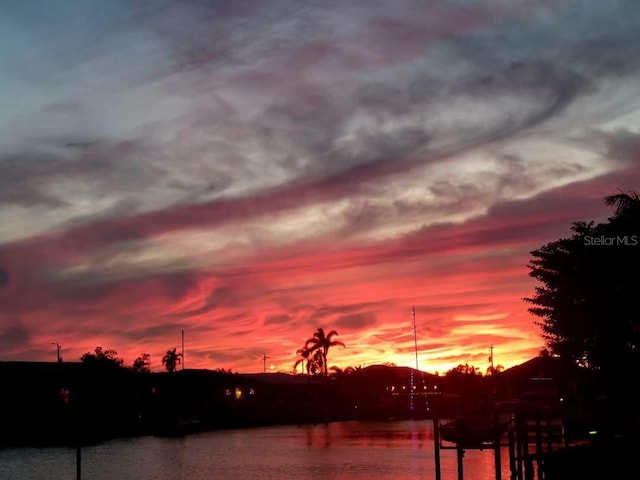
[171, 360]
[304, 353]
[323, 342]
[624, 202]
[317, 363]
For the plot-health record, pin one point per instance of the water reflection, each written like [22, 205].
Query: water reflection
[370, 434]
[399, 450]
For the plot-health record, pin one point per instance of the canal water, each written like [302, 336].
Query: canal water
[386, 450]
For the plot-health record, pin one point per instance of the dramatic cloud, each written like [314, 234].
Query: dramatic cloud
[246, 172]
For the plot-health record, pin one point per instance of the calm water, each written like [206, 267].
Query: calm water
[398, 450]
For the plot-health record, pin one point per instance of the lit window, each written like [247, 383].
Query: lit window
[65, 395]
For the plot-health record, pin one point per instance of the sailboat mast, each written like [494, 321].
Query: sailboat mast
[415, 335]
[412, 380]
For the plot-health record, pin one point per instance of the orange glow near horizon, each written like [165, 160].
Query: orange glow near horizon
[471, 307]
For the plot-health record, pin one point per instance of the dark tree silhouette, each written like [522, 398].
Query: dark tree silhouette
[350, 370]
[303, 358]
[142, 363]
[312, 360]
[495, 370]
[317, 363]
[464, 369]
[626, 203]
[171, 360]
[323, 342]
[102, 357]
[587, 300]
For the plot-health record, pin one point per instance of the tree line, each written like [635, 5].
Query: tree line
[312, 356]
[142, 364]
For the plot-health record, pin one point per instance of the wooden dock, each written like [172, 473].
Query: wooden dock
[530, 434]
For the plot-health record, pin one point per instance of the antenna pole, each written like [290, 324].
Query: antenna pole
[491, 359]
[57, 350]
[183, 349]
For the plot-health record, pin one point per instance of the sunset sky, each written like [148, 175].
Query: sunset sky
[248, 171]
